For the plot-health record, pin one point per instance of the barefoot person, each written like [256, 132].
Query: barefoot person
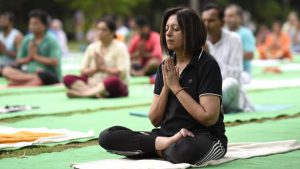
[10, 40]
[227, 49]
[145, 49]
[39, 56]
[106, 67]
[186, 107]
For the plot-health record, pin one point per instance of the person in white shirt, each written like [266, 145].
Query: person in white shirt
[56, 27]
[10, 40]
[227, 49]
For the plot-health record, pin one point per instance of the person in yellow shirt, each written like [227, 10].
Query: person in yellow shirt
[105, 69]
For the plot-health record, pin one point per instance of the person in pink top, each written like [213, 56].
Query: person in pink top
[144, 49]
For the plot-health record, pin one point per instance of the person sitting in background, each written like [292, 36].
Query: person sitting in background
[105, 69]
[39, 56]
[91, 35]
[277, 44]
[292, 28]
[296, 40]
[57, 29]
[227, 48]
[122, 31]
[144, 49]
[10, 40]
[262, 33]
[233, 21]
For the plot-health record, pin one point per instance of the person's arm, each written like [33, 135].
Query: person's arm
[158, 106]
[24, 60]
[23, 55]
[45, 60]
[86, 69]
[248, 55]
[249, 46]
[17, 43]
[206, 111]
[52, 59]
[132, 47]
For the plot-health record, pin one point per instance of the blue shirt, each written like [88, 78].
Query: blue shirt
[248, 42]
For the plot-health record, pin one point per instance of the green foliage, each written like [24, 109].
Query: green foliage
[94, 9]
[262, 11]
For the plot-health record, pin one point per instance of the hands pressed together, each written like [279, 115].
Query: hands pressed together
[171, 75]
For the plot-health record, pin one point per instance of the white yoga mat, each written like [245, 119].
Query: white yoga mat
[271, 84]
[67, 135]
[235, 151]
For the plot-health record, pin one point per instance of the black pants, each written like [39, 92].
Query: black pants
[197, 150]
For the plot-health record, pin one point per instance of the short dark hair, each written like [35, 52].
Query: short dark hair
[278, 21]
[215, 7]
[41, 15]
[142, 21]
[239, 10]
[110, 22]
[10, 16]
[192, 26]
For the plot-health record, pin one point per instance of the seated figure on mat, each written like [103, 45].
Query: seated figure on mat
[39, 56]
[10, 40]
[105, 69]
[186, 107]
[145, 49]
[277, 44]
[227, 49]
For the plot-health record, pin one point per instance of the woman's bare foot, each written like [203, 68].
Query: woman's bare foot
[162, 143]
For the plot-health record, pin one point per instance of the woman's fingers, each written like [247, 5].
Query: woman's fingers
[186, 133]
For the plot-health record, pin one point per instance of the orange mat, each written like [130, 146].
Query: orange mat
[24, 136]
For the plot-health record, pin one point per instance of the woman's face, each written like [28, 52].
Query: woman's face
[103, 31]
[174, 35]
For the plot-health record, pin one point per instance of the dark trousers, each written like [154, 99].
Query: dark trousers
[194, 150]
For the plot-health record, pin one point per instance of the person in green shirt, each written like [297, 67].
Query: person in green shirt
[39, 56]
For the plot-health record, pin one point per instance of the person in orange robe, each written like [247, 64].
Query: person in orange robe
[276, 45]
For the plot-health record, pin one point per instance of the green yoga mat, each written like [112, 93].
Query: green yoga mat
[258, 108]
[58, 103]
[54, 88]
[101, 119]
[268, 131]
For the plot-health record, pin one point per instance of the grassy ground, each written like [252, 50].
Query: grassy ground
[91, 114]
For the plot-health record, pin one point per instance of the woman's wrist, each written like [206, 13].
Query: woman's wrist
[176, 88]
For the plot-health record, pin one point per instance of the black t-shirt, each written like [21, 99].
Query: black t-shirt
[201, 76]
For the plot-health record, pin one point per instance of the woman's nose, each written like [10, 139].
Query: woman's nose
[169, 32]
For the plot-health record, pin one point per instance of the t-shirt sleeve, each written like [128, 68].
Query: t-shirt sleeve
[159, 81]
[210, 80]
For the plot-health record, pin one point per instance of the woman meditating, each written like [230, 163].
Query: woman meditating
[106, 67]
[186, 107]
